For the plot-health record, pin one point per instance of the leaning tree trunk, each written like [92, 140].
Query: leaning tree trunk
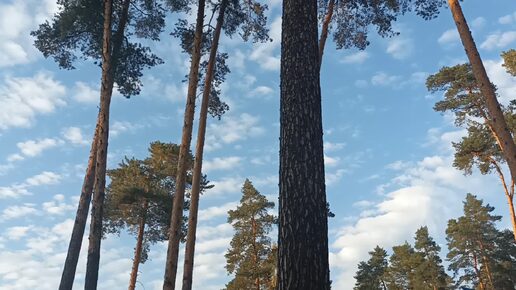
[74, 248]
[303, 223]
[139, 247]
[197, 170]
[109, 62]
[184, 149]
[496, 119]
[324, 30]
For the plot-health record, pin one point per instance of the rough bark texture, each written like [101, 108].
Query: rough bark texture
[303, 223]
[184, 150]
[496, 119]
[197, 170]
[138, 249]
[74, 247]
[324, 30]
[106, 90]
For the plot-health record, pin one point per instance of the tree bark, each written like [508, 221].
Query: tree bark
[199, 150]
[477, 272]
[184, 149]
[74, 247]
[139, 247]
[488, 92]
[303, 223]
[324, 30]
[508, 194]
[255, 254]
[109, 62]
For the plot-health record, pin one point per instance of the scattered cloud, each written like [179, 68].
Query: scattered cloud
[450, 36]
[400, 47]
[74, 135]
[119, 127]
[19, 189]
[224, 163]
[18, 211]
[384, 79]
[507, 19]
[499, 40]
[478, 22]
[232, 129]
[357, 58]
[16, 233]
[84, 93]
[267, 54]
[32, 148]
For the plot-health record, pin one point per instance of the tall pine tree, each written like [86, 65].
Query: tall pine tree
[370, 274]
[429, 273]
[251, 253]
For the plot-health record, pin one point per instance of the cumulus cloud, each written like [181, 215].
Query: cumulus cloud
[33, 148]
[84, 93]
[505, 83]
[74, 135]
[17, 211]
[400, 47]
[449, 36]
[358, 57]
[507, 19]
[222, 163]
[499, 40]
[19, 189]
[23, 98]
[267, 54]
[232, 129]
[384, 79]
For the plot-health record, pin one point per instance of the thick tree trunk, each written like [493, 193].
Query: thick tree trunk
[179, 195]
[139, 247]
[74, 247]
[199, 150]
[303, 223]
[109, 62]
[495, 112]
[324, 30]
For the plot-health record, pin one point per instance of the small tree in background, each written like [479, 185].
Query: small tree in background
[370, 274]
[251, 256]
[429, 274]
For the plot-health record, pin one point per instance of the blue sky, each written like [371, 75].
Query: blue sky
[388, 154]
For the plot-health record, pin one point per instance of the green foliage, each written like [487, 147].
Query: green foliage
[352, 19]
[509, 59]
[141, 190]
[75, 33]
[472, 241]
[402, 265]
[370, 274]
[429, 273]
[251, 257]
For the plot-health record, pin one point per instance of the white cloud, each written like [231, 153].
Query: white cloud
[358, 57]
[119, 127]
[225, 186]
[400, 47]
[232, 129]
[261, 91]
[505, 83]
[383, 79]
[507, 19]
[58, 206]
[449, 36]
[478, 22]
[216, 211]
[22, 99]
[499, 40]
[15, 157]
[329, 146]
[331, 161]
[15, 233]
[17, 211]
[44, 178]
[84, 93]
[74, 136]
[225, 163]
[267, 54]
[33, 148]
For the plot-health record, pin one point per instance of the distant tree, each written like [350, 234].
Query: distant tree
[98, 30]
[402, 266]
[509, 58]
[495, 115]
[250, 254]
[429, 273]
[370, 274]
[481, 147]
[472, 244]
[138, 200]
[504, 268]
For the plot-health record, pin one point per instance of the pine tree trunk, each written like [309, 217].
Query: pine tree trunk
[495, 112]
[324, 30]
[109, 62]
[197, 171]
[184, 150]
[139, 247]
[477, 272]
[255, 254]
[303, 223]
[510, 200]
[74, 247]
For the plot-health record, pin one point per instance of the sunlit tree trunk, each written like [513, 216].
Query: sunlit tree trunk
[139, 247]
[197, 170]
[74, 247]
[184, 151]
[303, 223]
[106, 89]
[325, 28]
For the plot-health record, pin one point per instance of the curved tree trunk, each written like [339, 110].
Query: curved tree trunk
[197, 171]
[74, 247]
[303, 223]
[109, 62]
[496, 119]
[324, 30]
[179, 195]
[139, 247]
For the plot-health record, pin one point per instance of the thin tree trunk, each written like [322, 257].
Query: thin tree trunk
[486, 264]
[510, 200]
[477, 272]
[109, 63]
[508, 194]
[303, 222]
[139, 247]
[74, 247]
[324, 30]
[197, 170]
[184, 150]
[255, 254]
[496, 115]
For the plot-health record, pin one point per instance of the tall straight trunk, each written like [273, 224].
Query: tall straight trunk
[324, 30]
[74, 247]
[139, 247]
[255, 254]
[199, 149]
[477, 272]
[109, 63]
[496, 119]
[303, 222]
[169, 282]
[510, 200]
